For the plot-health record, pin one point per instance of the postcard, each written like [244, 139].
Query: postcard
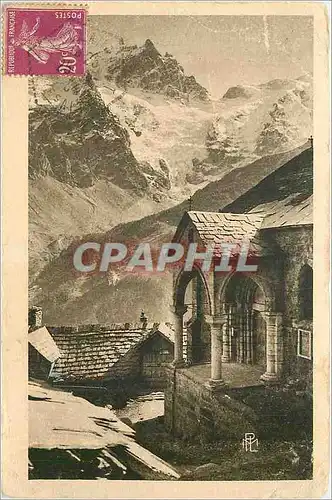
[165, 250]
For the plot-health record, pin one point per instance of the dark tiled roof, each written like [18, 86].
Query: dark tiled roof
[288, 212]
[90, 351]
[284, 197]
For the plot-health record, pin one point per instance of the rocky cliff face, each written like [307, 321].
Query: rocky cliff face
[86, 143]
[146, 68]
[83, 173]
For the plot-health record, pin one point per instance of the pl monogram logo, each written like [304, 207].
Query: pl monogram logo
[250, 442]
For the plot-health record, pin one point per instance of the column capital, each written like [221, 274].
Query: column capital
[216, 321]
[273, 314]
[274, 318]
[220, 319]
[208, 318]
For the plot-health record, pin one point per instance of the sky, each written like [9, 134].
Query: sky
[224, 51]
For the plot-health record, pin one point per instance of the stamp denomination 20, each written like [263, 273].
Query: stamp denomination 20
[45, 41]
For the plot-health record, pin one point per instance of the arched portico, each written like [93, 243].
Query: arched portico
[203, 322]
[191, 306]
[251, 328]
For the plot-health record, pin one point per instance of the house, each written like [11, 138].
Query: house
[136, 351]
[106, 353]
[71, 438]
[245, 329]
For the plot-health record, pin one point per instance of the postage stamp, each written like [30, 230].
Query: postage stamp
[45, 41]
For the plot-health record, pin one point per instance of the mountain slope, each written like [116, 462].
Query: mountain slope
[83, 174]
[59, 213]
[145, 149]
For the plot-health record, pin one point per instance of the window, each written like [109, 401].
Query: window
[306, 293]
[304, 344]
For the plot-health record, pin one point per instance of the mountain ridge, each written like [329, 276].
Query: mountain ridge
[145, 67]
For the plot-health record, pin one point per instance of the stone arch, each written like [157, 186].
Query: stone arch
[244, 290]
[252, 329]
[195, 308]
[245, 329]
[181, 283]
[263, 284]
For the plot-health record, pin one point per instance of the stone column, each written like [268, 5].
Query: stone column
[178, 313]
[241, 336]
[249, 315]
[216, 380]
[273, 346]
[216, 350]
[225, 328]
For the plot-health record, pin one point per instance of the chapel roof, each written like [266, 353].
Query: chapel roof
[284, 198]
[292, 211]
[217, 228]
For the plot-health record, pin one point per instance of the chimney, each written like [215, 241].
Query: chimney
[35, 318]
[143, 319]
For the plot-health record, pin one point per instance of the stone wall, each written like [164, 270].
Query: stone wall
[156, 353]
[192, 411]
[297, 246]
[39, 367]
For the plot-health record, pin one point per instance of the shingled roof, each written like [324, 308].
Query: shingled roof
[217, 228]
[284, 198]
[90, 351]
[292, 211]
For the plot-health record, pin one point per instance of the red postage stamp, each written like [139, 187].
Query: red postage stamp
[45, 41]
